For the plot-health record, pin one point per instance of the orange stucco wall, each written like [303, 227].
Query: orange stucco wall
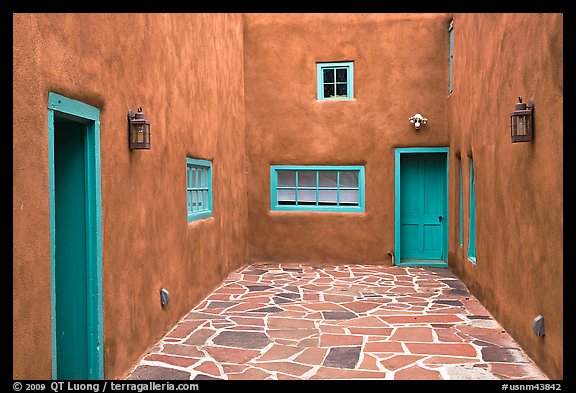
[518, 186]
[186, 72]
[400, 69]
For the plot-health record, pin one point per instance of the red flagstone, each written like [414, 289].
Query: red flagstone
[383, 346]
[419, 334]
[232, 355]
[324, 306]
[199, 337]
[448, 335]
[208, 367]
[173, 360]
[278, 352]
[513, 370]
[362, 321]
[369, 363]
[185, 328]
[361, 306]
[416, 372]
[246, 306]
[285, 367]
[248, 321]
[398, 361]
[337, 373]
[337, 298]
[336, 340]
[372, 331]
[312, 356]
[275, 323]
[296, 334]
[250, 374]
[331, 329]
[430, 318]
[442, 349]
[450, 360]
[183, 350]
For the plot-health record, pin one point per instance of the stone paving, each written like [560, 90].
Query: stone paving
[292, 321]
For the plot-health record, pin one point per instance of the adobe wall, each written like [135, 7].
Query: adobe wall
[400, 69]
[518, 186]
[186, 72]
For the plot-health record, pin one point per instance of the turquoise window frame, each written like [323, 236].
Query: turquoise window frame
[274, 169]
[320, 67]
[472, 231]
[451, 39]
[201, 170]
[59, 105]
[461, 206]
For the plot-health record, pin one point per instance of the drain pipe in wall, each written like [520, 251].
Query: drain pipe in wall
[391, 253]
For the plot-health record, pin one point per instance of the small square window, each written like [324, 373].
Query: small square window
[335, 80]
[198, 189]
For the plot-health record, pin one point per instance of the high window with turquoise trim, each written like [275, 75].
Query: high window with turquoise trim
[317, 188]
[335, 80]
[198, 188]
[461, 207]
[472, 231]
[451, 39]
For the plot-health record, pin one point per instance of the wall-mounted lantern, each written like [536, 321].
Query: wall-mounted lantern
[522, 121]
[418, 120]
[138, 130]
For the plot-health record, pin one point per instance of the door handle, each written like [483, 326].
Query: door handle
[439, 218]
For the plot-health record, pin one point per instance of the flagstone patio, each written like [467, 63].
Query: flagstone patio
[291, 321]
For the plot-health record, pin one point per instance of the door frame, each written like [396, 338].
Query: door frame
[59, 105]
[397, 238]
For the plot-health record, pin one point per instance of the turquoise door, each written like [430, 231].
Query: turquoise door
[422, 207]
[75, 239]
[71, 261]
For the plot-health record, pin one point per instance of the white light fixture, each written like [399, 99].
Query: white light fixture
[418, 120]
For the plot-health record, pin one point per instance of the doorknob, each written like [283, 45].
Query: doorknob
[439, 218]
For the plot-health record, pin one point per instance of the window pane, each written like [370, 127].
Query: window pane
[188, 201]
[341, 75]
[199, 200]
[192, 178]
[307, 179]
[205, 200]
[342, 89]
[327, 197]
[349, 197]
[328, 75]
[286, 197]
[286, 178]
[306, 197]
[349, 179]
[328, 178]
[328, 91]
[193, 201]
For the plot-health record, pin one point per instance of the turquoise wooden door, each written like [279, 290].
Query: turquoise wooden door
[71, 256]
[75, 239]
[422, 204]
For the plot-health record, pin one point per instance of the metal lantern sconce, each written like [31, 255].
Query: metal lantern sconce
[522, 121]
[138, 130]
[418, 120]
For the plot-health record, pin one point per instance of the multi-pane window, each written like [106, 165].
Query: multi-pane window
[451, 38]
[335, 80]
[461, 207]
[472, 231]
[320, 188]
[198, 188]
